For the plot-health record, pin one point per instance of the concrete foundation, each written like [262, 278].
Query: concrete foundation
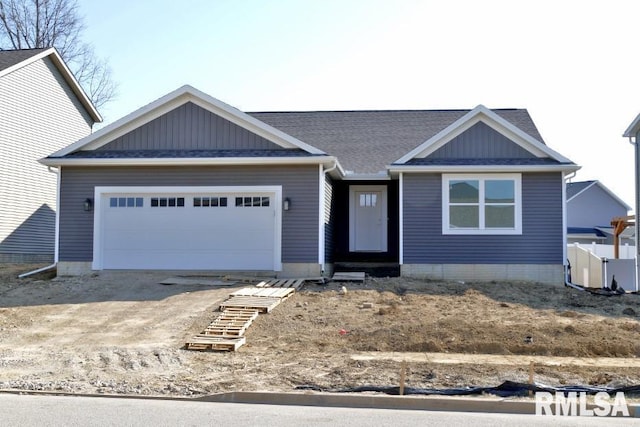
[541, 273]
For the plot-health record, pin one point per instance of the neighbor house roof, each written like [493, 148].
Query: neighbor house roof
[366, 142]
[9, 58]
[576, 188]
[12, 60]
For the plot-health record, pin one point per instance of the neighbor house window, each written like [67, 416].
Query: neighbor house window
[481, 204]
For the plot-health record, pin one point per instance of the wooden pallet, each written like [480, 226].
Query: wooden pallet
[262, 304]
[231, 323]
[283, 293]
[282, 283]
[204, 342]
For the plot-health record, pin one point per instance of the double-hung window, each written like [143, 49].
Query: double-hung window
[481, 204]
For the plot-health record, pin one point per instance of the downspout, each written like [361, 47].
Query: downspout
[634, 141]
[55, 249]
[564, 234]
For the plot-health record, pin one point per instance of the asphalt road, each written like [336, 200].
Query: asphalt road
[39, 410]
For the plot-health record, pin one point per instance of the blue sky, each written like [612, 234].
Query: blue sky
[572, 64]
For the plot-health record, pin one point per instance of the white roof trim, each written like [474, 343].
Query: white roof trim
[173, 100]
[605, 189]
[190, 161]
[481, 168]
[633, 128]
[499, 124]
[66, 73]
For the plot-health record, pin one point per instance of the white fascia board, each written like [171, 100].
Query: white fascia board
[191, 161]
[66, 74]
[482, 169]
[174, 100]
[633, 128]
[491, 119]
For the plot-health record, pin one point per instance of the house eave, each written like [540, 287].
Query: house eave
[327, 161]
[396, 169]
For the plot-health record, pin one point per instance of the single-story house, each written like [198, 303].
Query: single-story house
[190, 183]
[42, 109]
[591, 207]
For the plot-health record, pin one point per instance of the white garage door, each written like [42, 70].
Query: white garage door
[188, 231]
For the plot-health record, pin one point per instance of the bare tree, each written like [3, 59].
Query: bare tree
[30, 24]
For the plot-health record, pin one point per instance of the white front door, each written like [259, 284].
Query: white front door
[368, 218]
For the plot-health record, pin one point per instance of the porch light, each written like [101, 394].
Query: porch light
[286, 204]
[88, 205]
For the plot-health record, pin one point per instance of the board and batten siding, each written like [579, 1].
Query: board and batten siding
[39, 114]
[541, 241]
[299, 184]
[189, 127]
[480, 141]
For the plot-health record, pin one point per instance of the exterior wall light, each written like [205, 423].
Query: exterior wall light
[88, 205]
[286, 204]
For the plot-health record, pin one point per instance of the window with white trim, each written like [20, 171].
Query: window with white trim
[481, 204]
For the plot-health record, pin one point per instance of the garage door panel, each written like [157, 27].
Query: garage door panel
[189, 237]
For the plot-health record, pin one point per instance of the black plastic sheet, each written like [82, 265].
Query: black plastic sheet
[506, 389]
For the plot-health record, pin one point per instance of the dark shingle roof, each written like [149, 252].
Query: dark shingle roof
[165, 154]
[368, 141]
[9, 58]
[574, 188]
[535, 161]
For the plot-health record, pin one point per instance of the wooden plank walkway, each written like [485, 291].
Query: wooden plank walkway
[283, 293]
[226, 331]
[349, 276]
[262, 304]
[281, 283]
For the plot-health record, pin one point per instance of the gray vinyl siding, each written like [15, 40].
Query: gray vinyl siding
[481, 142]
[39, 114]
[541, 241]
[592, 208]
[189, 127]
[329, 214]
[299, 184]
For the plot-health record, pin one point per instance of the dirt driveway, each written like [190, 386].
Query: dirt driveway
[124, 333]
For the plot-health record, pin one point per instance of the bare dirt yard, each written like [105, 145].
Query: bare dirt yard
[124, 333]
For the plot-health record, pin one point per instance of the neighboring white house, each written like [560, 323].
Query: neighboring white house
[590, 208]
[42, 109]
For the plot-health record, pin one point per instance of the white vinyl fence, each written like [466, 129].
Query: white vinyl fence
[587, 267]
[607, 251]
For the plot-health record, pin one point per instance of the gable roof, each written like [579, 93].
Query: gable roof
[173, 100]
[493, 120]
[574, 189]
[12, 60]
[633, 128]
[366, 142]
